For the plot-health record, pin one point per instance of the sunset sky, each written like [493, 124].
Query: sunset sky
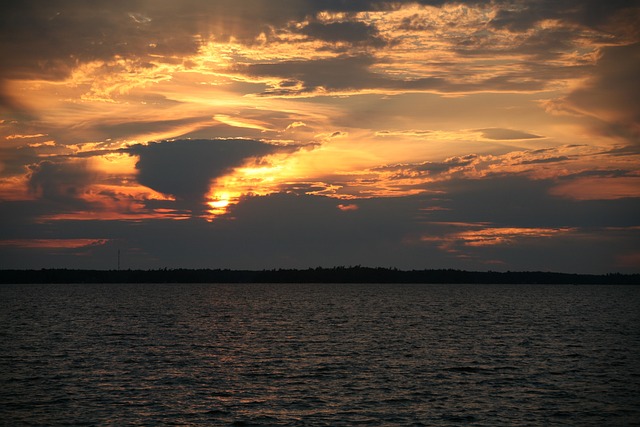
[479, 135]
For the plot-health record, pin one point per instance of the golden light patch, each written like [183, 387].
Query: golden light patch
[241, 122]
[120, 164]
[17, 136]
[226, 191]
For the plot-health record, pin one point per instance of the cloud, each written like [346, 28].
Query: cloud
[611, 94]
[128, 128]
[589, 13]
[347, 73]
[61, 181]
[339, 73]
[241, 122]
[500, 134]
[528, 203]
[429, 168]
[51, 41]
[53, 243]
[348, 207]
[295, 124]
[83, 187]
[352, 32]
[456, 96]
[545, 160]
[185, 168]
[510, 220]
[533, 231]
[48, 40]
[483, 235]
[599, 188]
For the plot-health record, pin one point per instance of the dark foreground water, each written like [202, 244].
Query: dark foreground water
[316, 355]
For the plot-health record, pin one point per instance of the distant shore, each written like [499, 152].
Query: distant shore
[312, 275]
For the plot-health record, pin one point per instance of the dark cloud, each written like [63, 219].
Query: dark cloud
[545, 160]
[15, 161]
[339, 73]
[343, 73]
[185, 168]
[543, 47]
[271, 231]
[446, 170]
[416, 22]
[352, 32]
[611, 95]
[60, 181]
[591, 13]
[516, 202]
[448, 164]
[48, 40]
[288, 230]
[526, 203]
[443, 167]
[612, 173]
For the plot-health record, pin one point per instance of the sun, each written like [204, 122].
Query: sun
[219, 203]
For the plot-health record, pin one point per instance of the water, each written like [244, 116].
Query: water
[319, 355]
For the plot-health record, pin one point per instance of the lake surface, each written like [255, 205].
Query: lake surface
[319, 355]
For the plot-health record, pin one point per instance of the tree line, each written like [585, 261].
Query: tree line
[354, 274]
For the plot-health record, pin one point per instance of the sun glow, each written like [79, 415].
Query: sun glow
[219, 203]
[226, 191]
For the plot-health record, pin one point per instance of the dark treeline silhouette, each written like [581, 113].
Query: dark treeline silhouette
[355, 274]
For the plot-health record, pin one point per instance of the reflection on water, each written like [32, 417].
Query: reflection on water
[316, 355]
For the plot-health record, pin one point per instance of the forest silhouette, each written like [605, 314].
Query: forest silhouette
[353, 274]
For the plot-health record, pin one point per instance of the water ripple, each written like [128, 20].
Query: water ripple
[319, 355]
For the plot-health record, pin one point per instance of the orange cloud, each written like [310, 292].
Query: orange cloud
[490, 236]
[37, 135]
[348, 207]
[502, 236]
[53, 243]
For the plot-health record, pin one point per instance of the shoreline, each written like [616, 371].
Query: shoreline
[312, 275]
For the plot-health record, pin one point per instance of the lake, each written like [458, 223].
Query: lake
[319, 354]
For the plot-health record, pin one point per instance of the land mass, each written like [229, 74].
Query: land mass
[355, 274]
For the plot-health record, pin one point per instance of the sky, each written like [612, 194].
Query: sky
[495, 135]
